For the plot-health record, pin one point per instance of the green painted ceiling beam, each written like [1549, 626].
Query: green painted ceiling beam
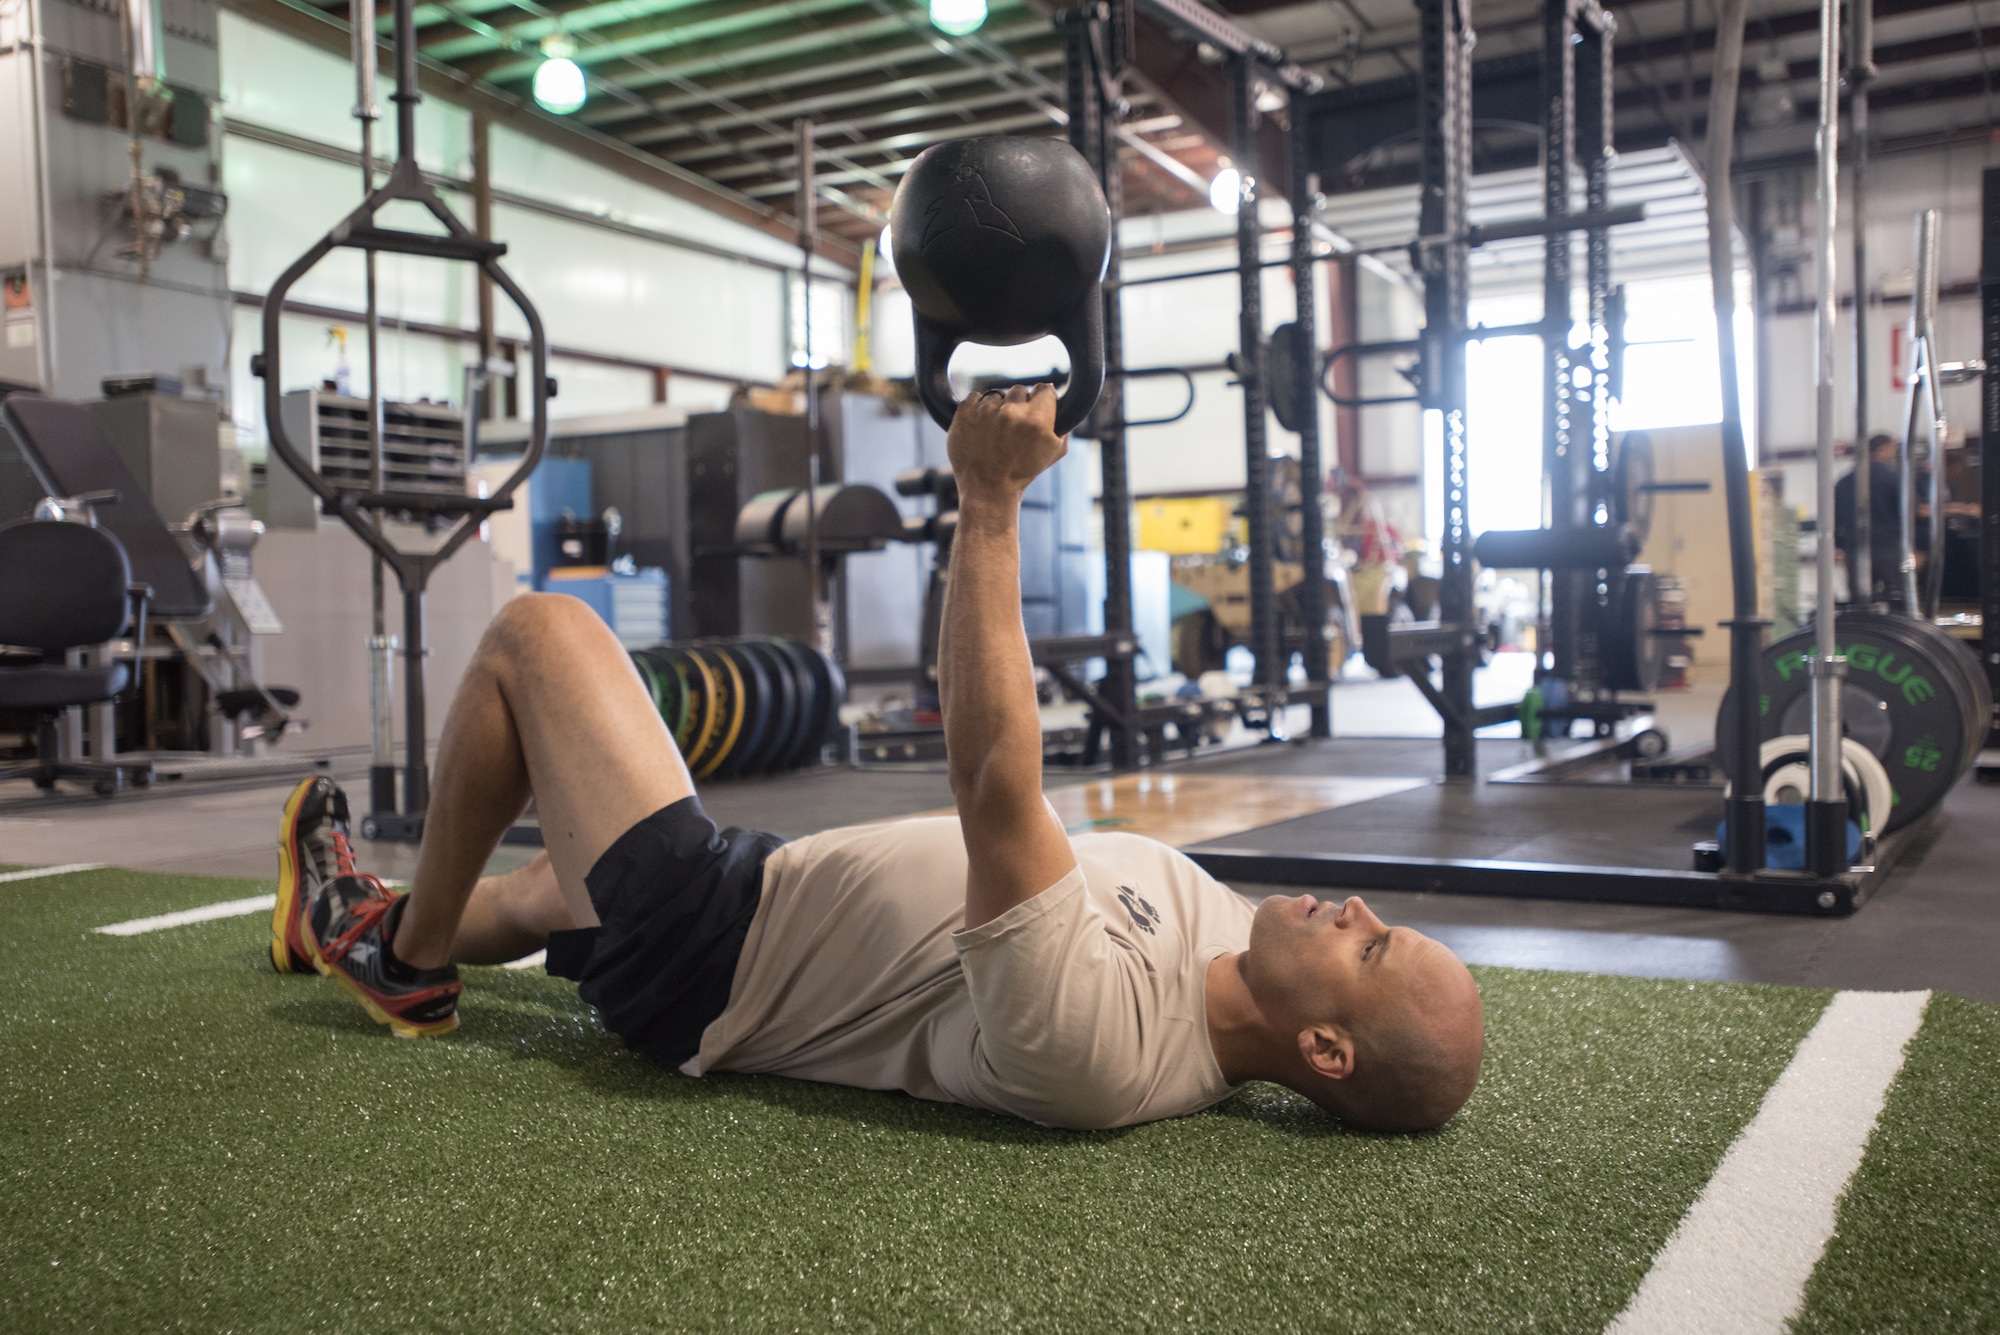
[828, 38]
[689, 20]
[800, 70]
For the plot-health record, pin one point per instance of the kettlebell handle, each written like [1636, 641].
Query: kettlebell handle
[1082, 336]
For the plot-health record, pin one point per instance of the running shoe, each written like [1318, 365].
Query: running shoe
[353, 921]
[312, 850]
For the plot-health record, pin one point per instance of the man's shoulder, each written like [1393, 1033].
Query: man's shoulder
[1112, 857]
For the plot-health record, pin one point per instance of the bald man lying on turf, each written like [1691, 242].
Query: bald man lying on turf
[987, 959]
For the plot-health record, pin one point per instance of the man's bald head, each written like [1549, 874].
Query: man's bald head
[1417, 1059]
[1389, 1025]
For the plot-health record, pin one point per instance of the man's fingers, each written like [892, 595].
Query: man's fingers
[1042, 406]
[1017, 393]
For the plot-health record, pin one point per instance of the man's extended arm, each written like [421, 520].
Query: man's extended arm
[986, 681]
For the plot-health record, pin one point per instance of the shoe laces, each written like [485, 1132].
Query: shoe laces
[343, 856]
[365, 917]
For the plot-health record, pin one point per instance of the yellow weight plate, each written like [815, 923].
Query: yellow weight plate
[702, 713]
[727, 712]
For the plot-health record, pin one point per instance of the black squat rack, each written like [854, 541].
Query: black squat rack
[454, 518]
[1098, 49]
[1575, 88]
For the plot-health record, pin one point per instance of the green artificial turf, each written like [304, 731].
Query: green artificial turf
[193, 1142]
[1917, 1244]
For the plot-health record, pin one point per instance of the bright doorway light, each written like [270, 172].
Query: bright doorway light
[1225, 191]
[958, 17]
[559, 85]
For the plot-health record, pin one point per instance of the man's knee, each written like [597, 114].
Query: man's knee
[535, 626]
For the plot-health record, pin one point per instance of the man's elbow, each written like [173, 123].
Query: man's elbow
[989, 793]
[972, 785]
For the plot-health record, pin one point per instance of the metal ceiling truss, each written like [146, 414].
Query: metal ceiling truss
[708, 90]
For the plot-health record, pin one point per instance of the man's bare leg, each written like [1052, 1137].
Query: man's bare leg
[511, 915]
[550, 706]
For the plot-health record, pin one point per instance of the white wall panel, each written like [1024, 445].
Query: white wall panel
[892, 335]
[280, 82]
[698, 396]
[528, 166]
[610, 293]
[597, 289]
[591, 389]
[281, 202]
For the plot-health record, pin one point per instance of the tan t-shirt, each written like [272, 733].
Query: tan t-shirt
[1083, 1007]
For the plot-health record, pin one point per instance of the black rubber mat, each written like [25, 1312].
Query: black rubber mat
[1626, 827]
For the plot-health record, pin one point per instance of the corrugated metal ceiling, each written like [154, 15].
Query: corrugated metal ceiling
[710, 88]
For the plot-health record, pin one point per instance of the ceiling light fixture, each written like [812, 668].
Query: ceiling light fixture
[1225, 191]
[559, 85]
[958, 17]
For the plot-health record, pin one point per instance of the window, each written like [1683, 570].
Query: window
[829, 321]
[1671, 379]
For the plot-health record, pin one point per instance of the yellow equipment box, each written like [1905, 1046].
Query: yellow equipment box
[1186, 525]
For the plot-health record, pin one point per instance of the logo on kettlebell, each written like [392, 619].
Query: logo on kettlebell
[967, 200]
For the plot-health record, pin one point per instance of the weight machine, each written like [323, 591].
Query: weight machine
[366, 510]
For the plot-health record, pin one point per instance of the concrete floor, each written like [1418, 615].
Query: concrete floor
[1936, 922]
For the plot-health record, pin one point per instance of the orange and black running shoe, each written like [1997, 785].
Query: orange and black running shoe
[312, 850]
[353, 921]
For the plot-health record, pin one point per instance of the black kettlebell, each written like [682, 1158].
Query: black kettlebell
[1000, 241]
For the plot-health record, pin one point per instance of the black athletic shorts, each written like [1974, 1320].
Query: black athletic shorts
[674, 898]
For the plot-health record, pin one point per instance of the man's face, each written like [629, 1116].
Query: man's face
[1312, 960]
[1885, 453]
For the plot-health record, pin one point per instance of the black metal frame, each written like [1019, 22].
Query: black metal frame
[1577, 93]
[1989, 454]
[1576, 116]
[1312, 466]
[1097, 44]
[1762, 892]
[1097, 48]
[1441, 249]
[359, 509]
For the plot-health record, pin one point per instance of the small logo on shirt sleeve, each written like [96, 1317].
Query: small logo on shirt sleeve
[1144, 915]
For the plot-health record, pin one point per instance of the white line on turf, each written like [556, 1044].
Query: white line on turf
[533, 961]
[228, 908]
[1741, 1256]
[33, 873]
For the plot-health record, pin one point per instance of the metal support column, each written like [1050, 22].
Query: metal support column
[1923, 405]
[1445, 82]
[1343, 327]
[1561, 464]
[1312, 469]
[1590, 408]
[1860, 73]
[1826, 813]
[1989, 446]
[1743, 810]
[1097, 45]
[1271, 660]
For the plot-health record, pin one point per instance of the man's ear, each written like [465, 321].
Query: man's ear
[1328, 1049]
